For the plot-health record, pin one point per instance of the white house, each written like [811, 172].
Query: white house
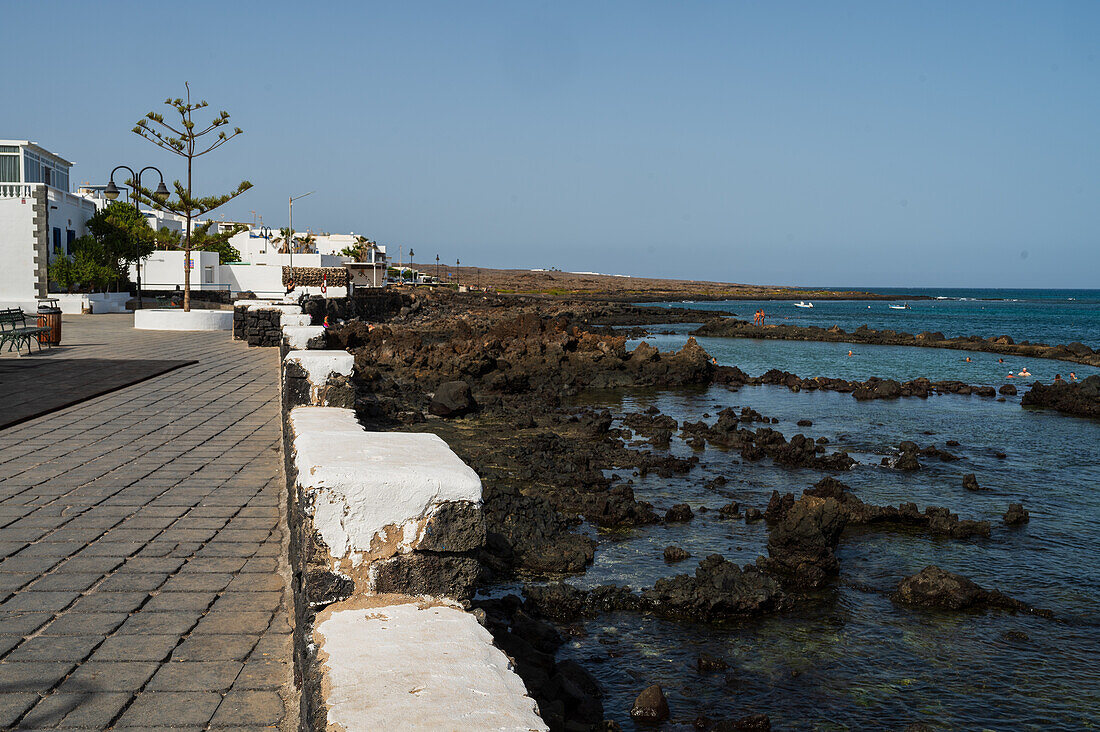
[39, 219]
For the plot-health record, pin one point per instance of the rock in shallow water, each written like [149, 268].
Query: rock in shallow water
[1016, 515]
[650, 706]
[675, 554]
[934, 588]
[679, 513]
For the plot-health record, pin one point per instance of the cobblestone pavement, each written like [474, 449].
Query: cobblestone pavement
[143, 577]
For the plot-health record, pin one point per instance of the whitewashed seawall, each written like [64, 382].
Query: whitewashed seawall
[384, 531]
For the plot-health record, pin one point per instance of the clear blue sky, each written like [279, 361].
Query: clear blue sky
[875, 143]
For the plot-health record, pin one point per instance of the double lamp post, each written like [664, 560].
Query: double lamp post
[111, 192]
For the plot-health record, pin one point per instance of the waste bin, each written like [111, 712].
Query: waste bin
[49, 316]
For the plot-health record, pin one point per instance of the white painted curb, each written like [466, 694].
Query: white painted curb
[164, 319]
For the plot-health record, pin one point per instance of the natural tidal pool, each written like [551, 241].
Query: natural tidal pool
[851, 659]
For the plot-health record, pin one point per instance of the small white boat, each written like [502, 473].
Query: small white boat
[901, 307]
[801, 304]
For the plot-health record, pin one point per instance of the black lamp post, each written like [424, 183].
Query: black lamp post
[111, 192]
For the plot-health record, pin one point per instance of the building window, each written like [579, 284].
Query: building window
[56, 240]
[70, 237]
[9, 166]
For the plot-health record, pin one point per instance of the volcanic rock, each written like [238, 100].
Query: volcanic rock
[1016, 515]
[452, 399]
[650, 707]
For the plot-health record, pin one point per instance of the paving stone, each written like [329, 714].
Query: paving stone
[165, 565]
[249, 707]
[197, 582]
[221, 622]
[30, 564]
[22, 623]
[124, 581]
[106, 602]
[73, 581]
[55, 648]
[37, 601]
[75, 710]
[177, 622]
[248, 601]
[37, 676]
[215, 647]
[100, 676]
[256, 582]
[151, 708]
[175, 601]
[88, 565]
[74, 623]
[263, 674]
[145, 647]
[195, 676]
[213, 564]
[12, 706]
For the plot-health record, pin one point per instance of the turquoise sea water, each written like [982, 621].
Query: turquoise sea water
[1040, 316]
[852, 659]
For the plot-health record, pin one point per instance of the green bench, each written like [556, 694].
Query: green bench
[15, 332]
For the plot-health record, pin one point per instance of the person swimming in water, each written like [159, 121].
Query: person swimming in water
[1058, 379]
[968, 359]
[1025, 372]
[1010, 375]
[1072, 376]
[849, 354]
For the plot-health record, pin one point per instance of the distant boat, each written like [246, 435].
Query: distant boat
[801, 304]
[901, 307]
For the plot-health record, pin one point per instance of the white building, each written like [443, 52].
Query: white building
[39, 219]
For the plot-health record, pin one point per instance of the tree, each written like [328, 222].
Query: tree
[304, 243]
[88, 267]
[189, 144]
[283, 240]
[203, 241]
[123, 234]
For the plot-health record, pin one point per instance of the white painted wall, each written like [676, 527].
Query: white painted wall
[163, 270]
[258, 278]
[17, 271]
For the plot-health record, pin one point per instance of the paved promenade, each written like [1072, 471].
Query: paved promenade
[143, 580]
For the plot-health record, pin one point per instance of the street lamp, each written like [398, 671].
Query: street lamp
[160, 194]
[290, 225]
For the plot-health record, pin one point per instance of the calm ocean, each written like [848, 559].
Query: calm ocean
[853, 659]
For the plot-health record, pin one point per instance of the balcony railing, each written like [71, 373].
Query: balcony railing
[17, 190]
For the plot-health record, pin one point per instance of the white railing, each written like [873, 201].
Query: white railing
[17, 190]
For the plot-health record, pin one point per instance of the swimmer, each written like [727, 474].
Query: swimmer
[714, 361]
[1010, 375]
[968, 359]
[849, 353]
[1058, 379]
[1025, 372]
[1000, 360]
[1072, 376]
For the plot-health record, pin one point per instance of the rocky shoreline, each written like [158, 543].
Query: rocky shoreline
[1005, 345]
[494, 376]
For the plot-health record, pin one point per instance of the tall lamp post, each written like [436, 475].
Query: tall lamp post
[290, 225]
[111, 192]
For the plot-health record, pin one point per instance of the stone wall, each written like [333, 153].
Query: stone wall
[371, 305]
[385, 527]
[260, 322]
[314, 276]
